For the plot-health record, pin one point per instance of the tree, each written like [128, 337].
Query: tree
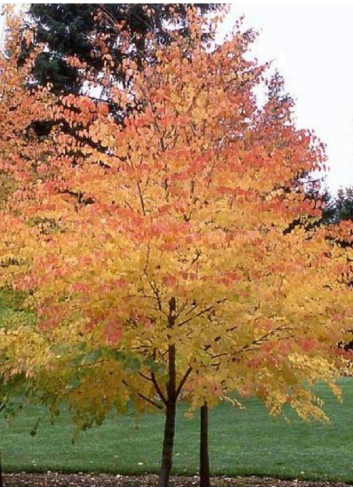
[161, 262]
[340, 208]
[77, 29]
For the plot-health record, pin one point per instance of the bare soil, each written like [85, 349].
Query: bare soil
[57, 479]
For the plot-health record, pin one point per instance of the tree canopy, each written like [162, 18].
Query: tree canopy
[154, 251]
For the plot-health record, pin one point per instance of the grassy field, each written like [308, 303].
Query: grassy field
[242, 442]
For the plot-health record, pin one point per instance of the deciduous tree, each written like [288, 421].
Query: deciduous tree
[158, 259]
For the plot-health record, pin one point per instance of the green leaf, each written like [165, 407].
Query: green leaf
[114, 354]
[133, 364]
[93, 356]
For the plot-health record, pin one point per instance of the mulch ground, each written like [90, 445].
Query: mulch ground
[57, 479]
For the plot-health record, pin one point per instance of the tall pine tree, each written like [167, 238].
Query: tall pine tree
[73, 29]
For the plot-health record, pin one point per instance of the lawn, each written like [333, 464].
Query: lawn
[242, 442]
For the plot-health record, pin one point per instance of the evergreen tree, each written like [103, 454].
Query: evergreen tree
[344, 204]
[73, 29]
[339, 208]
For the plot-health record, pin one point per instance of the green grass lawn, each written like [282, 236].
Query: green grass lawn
[242, 442]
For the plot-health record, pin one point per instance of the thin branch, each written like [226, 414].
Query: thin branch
[156, 293]
[183, 380]
[145, 398]
[129, 206]
[253, 346]
[147, 259]
[145, 377]
[195, 259]
[181, 309]
[204, 311]
[158, 389]
[163, 354]
[194, 100]
[142, 296]
[194, 306]
[108, 17]
[141, 199]
[216, 340]
[263, 338]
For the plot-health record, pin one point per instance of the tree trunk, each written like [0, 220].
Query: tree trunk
[168, 442]
[1, 479]
[204, 459]
[169, 429]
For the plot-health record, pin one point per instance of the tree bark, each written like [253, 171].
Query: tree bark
[204, 459]
[1, 479]
[168, 442]
[169, 428]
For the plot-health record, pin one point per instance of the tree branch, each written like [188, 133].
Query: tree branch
[204, 311]
[158, 389]
[156, 293]
[183, 380]
[145, 398]
[141, 199]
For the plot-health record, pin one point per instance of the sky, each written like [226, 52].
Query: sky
[310, 43]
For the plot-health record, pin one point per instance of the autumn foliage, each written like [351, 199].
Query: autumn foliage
[169, 255]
